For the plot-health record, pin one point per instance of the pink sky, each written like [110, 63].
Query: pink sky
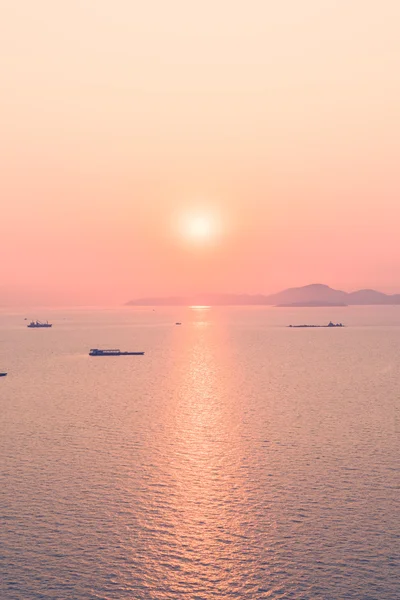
[118, 117]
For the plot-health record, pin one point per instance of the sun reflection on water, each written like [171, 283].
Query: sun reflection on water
[200, 307]
[205, 510]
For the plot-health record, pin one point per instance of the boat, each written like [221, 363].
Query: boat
[3, 374]
[112, 352]
[38, 324]
[330, 324]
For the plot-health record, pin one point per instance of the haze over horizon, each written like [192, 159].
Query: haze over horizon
[176, 148]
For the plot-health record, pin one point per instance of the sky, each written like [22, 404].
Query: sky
[185, 146]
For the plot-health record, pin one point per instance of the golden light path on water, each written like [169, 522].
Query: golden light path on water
[202, 455]
[204, 498]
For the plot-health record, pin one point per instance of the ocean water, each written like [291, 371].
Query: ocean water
[236, 459]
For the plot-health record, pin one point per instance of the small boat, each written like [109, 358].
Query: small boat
[3, 374]
[112, 352]
[39, 324]
[178, 323]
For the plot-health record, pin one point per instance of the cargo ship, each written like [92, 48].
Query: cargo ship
[112, 352]
[330, 324]
[38, 324]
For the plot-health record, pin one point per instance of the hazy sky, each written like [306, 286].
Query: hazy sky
[278, 121]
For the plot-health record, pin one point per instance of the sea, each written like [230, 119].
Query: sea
[236, 459]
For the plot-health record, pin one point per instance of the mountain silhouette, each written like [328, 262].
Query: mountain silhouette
[308, 294]
[315, 294]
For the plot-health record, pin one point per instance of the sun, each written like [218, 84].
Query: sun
[199, 228]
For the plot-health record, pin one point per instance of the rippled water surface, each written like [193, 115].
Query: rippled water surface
[236, 459]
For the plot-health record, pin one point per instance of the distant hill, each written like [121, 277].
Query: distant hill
[372, 297]
[323, 294]
[315, 294]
